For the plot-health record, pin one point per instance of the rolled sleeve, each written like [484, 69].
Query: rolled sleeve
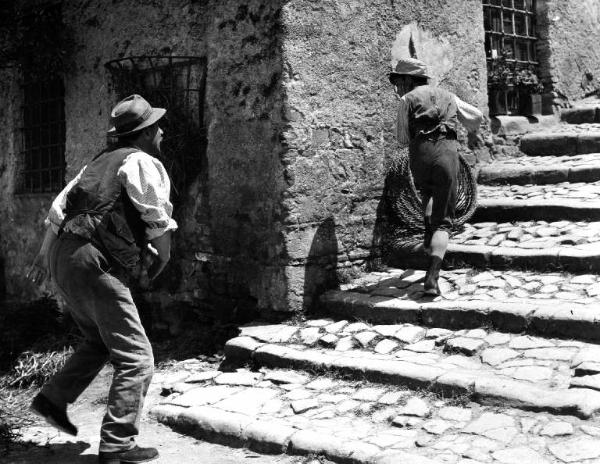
[148, 186]
[56, 214]
[468, 115]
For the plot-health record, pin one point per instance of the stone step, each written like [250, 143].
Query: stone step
[574, 259]
[588, 114]
[552, 202]
[542, 170]
[549, 209]
[537, 245]
[553, 305]
[560, 143]
[489, 367]
[276, 411]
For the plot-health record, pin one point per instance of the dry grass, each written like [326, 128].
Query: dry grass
[36, 343]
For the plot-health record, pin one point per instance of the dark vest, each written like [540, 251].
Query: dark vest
[102, 211]
[431, 112]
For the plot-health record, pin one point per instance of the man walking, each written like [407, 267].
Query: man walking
[427, 122]
[98, 228]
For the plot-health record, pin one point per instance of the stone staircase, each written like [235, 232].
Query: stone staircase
[503, 368]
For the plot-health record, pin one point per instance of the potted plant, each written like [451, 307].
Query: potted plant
[501, 85]
[530, 90]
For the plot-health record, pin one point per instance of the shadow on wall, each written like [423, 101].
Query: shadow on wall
[385, 224]
[321, 265]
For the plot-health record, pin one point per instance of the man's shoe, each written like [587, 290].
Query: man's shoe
[131, 456]
[54, 415]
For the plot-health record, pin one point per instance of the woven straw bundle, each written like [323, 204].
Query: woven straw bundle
[405, 201]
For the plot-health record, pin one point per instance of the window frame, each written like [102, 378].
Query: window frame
[42, 163]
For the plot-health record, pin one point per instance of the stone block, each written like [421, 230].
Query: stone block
[510, 317]
[402, 373]
[457, 381]
[273, 356]
[587, 381]
[239, 378]
[575, 450]
[568, 320]
[519, 455]
[583, 115]
[588, 143]
[201, 396]
[277, 333]
[465, 345]
[546, 144]
[214, 424]
[587, 368]
[316, 442]
[540, 259]
[249, 401]
[279, 377]
[455, 314]
[240, 349]
[475, 255]
[269, 436]
[583, 174]
[395, 457]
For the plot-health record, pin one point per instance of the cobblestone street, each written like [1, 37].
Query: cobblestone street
[502, 368]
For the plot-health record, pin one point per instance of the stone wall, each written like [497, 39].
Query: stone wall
[23, 215]
[228, 243]
[298, 115]
[342, 111]
[569, 33]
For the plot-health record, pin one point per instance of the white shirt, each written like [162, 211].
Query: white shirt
[148, 187]
[467, 114]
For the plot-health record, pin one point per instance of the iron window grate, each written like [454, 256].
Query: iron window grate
[510, 26]
[42, 137]
[177, 83]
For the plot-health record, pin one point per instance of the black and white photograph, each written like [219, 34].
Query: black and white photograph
[300, 231]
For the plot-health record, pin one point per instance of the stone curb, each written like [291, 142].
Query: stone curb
[273, 436]
[582, 115]
[538, 175]
[547, 144]
[526, 210]
[486, 388]
[573, 321]
[584, 258]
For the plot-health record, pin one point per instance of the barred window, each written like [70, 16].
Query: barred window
[510, 37]
[510, 26]
[43, 136]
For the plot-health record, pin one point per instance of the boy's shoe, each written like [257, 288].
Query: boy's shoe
[54, 415]
[430, 286]
[131, 456]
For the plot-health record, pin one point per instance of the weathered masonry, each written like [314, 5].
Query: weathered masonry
[280, 121]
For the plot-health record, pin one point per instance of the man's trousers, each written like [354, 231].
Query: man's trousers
[102, 307]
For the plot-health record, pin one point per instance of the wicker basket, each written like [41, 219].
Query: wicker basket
[405, 201]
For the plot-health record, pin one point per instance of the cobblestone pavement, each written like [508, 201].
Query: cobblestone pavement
[574, 128]
[41, 443]
[469, 285]
[564, 191]
[547, 162]
[529, 234]
[376, 423]
[549, 363]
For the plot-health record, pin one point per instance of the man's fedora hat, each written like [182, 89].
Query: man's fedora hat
[409, 67]
[133, 114]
